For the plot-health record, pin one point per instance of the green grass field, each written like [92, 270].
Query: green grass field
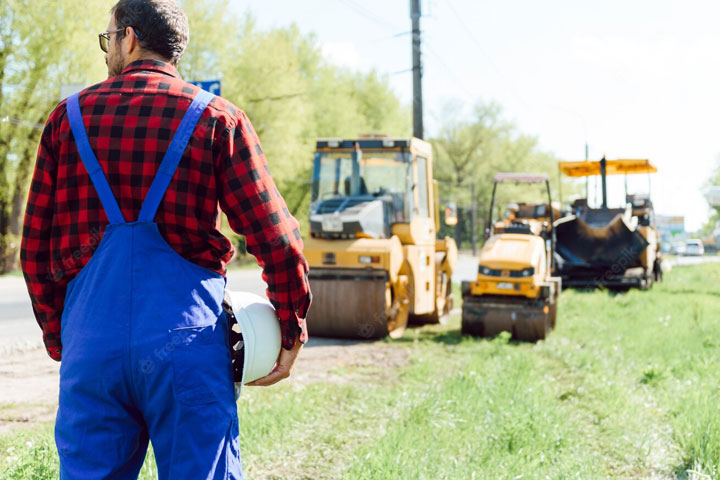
[627, 386]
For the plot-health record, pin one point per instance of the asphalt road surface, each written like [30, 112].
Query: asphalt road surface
[694, 260]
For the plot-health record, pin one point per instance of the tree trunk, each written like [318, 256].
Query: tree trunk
[459, 227]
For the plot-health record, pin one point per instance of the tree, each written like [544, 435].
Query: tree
[711, 226]
[38, 54]
[471, 149]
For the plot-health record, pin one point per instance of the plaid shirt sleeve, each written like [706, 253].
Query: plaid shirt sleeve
[47, 290]
[255, 209]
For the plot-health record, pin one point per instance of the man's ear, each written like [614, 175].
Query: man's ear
[131, 41]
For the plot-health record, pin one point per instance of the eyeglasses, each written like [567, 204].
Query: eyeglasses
[104, 37]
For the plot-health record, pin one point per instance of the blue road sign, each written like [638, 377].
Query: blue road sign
[212, 86]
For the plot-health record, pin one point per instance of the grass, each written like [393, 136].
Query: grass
[12, 273]
[625, 387]
[246, 262]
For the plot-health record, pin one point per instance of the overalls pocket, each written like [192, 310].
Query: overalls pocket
[201, 364]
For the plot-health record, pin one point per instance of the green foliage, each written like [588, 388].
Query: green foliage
[30, 455]
[291, 94]
[38, 54]
[711, 225]
[9, 250]
[472, 149]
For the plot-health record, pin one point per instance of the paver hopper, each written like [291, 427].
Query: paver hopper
[612, 247]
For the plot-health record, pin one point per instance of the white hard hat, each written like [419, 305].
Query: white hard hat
[261, 334]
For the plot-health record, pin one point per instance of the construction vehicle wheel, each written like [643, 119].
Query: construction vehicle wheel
[657, 271]
[553, 315]
[532, 328]
[352, 304]
[487, 317]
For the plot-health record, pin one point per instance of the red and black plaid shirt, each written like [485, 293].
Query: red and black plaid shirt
[130, 120]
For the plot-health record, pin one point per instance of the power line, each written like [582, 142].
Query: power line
[509, 84]
[18, 122]
[480, 46]
[385, 38]
[450, 73]
[368, 13]
[407, 70]
[276, 97]
[383, 23]
[447, 70]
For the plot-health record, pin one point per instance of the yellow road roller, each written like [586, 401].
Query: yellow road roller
[375, 261]
[515, 290]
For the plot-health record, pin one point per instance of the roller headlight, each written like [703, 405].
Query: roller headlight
[483, 270]
[524, 273]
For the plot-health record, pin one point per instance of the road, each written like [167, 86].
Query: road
[694, 260]
[466, 268]
[18, 330]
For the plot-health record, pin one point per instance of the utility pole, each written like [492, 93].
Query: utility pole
[587, 179]
[417, 70]
[473, 216]
[603, 173]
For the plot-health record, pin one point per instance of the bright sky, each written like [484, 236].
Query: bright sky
[635, 79]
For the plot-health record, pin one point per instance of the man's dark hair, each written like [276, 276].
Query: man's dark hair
[161, 25]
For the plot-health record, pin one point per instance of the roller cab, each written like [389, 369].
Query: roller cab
[375, 261]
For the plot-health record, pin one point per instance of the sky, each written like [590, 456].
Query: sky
[633, 79]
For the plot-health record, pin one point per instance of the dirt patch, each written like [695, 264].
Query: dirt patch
[29, 379]
[347, 361]
[29, 382]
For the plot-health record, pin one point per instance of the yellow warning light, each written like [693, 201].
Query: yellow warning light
[451, 214]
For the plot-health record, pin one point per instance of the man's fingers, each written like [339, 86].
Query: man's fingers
[270, 379]
[286, 360]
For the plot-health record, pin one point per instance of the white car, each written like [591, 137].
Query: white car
[694, 247]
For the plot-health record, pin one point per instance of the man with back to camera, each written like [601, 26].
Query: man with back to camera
[125, 263]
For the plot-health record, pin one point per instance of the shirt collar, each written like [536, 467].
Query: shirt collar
[153, 66]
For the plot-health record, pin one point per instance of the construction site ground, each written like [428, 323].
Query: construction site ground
[625, 387]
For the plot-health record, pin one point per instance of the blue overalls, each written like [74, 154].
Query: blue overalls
[145, 346]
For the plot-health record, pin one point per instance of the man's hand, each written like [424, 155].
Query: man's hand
[282, 369]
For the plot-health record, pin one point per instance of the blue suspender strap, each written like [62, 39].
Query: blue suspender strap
[173, 155]
[91, 164]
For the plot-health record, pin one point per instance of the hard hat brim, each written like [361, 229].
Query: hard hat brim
[261, 334]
